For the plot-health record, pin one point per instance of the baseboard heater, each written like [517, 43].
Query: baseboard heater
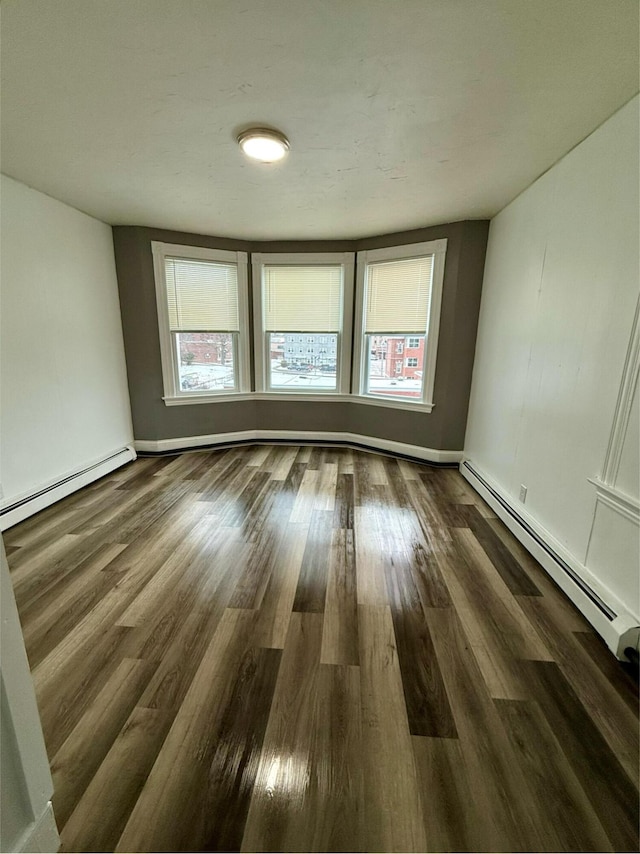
[27, 504]
[619, 631]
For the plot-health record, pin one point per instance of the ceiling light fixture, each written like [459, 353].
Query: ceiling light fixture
[263, 144]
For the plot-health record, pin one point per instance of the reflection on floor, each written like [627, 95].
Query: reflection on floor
[307, 649]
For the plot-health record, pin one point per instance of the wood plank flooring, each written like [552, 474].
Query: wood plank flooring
[315, 649]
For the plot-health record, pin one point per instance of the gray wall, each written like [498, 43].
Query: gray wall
[442, 429]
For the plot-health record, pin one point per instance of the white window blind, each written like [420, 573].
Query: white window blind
[397, 295]
[202, 296]
[304, 298]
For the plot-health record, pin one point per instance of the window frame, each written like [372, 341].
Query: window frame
[173, 394]
[438, 249]
[262, 364]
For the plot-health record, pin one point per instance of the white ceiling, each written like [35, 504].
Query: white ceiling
[400, 113]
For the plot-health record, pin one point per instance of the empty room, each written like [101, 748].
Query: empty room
[319, 425]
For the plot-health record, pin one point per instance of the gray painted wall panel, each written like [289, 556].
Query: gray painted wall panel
[442, 429]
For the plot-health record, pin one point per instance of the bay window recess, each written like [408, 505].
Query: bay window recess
[398, 308]
[203, 321]
[303, 314]
[302, 322]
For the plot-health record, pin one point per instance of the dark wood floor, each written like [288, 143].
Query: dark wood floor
[305, 649]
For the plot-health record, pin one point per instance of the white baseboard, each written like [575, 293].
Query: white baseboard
[295, 437]
[17, 508]
[606, 613]
[41, 837]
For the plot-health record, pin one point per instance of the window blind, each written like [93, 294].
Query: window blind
[398, 294]
[202, 296]
[302, 299]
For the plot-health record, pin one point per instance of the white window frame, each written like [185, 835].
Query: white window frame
[344, 345]
[438, 249]
[173, 394]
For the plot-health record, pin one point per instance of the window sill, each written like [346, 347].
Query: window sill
[189, 399]
[391, 403]
[328, 397]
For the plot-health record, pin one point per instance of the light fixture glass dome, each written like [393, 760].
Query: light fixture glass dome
[264, 145]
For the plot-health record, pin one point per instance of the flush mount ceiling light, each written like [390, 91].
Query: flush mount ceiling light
[263, 144]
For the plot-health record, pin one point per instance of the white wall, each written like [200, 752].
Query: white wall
[27, 822]
[559, 296]
[63, 389]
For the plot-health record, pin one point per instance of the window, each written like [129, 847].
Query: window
[202, 311]
[399, 294]
[306, 297]
[302, 322]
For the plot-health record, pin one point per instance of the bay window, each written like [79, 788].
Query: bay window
[305, 341]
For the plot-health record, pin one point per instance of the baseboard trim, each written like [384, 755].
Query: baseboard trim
[294, 437]
[21, 507]
[42, 835]
[608, 616]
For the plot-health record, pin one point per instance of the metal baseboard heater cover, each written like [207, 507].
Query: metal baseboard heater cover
[27, 505]
[619, 631]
